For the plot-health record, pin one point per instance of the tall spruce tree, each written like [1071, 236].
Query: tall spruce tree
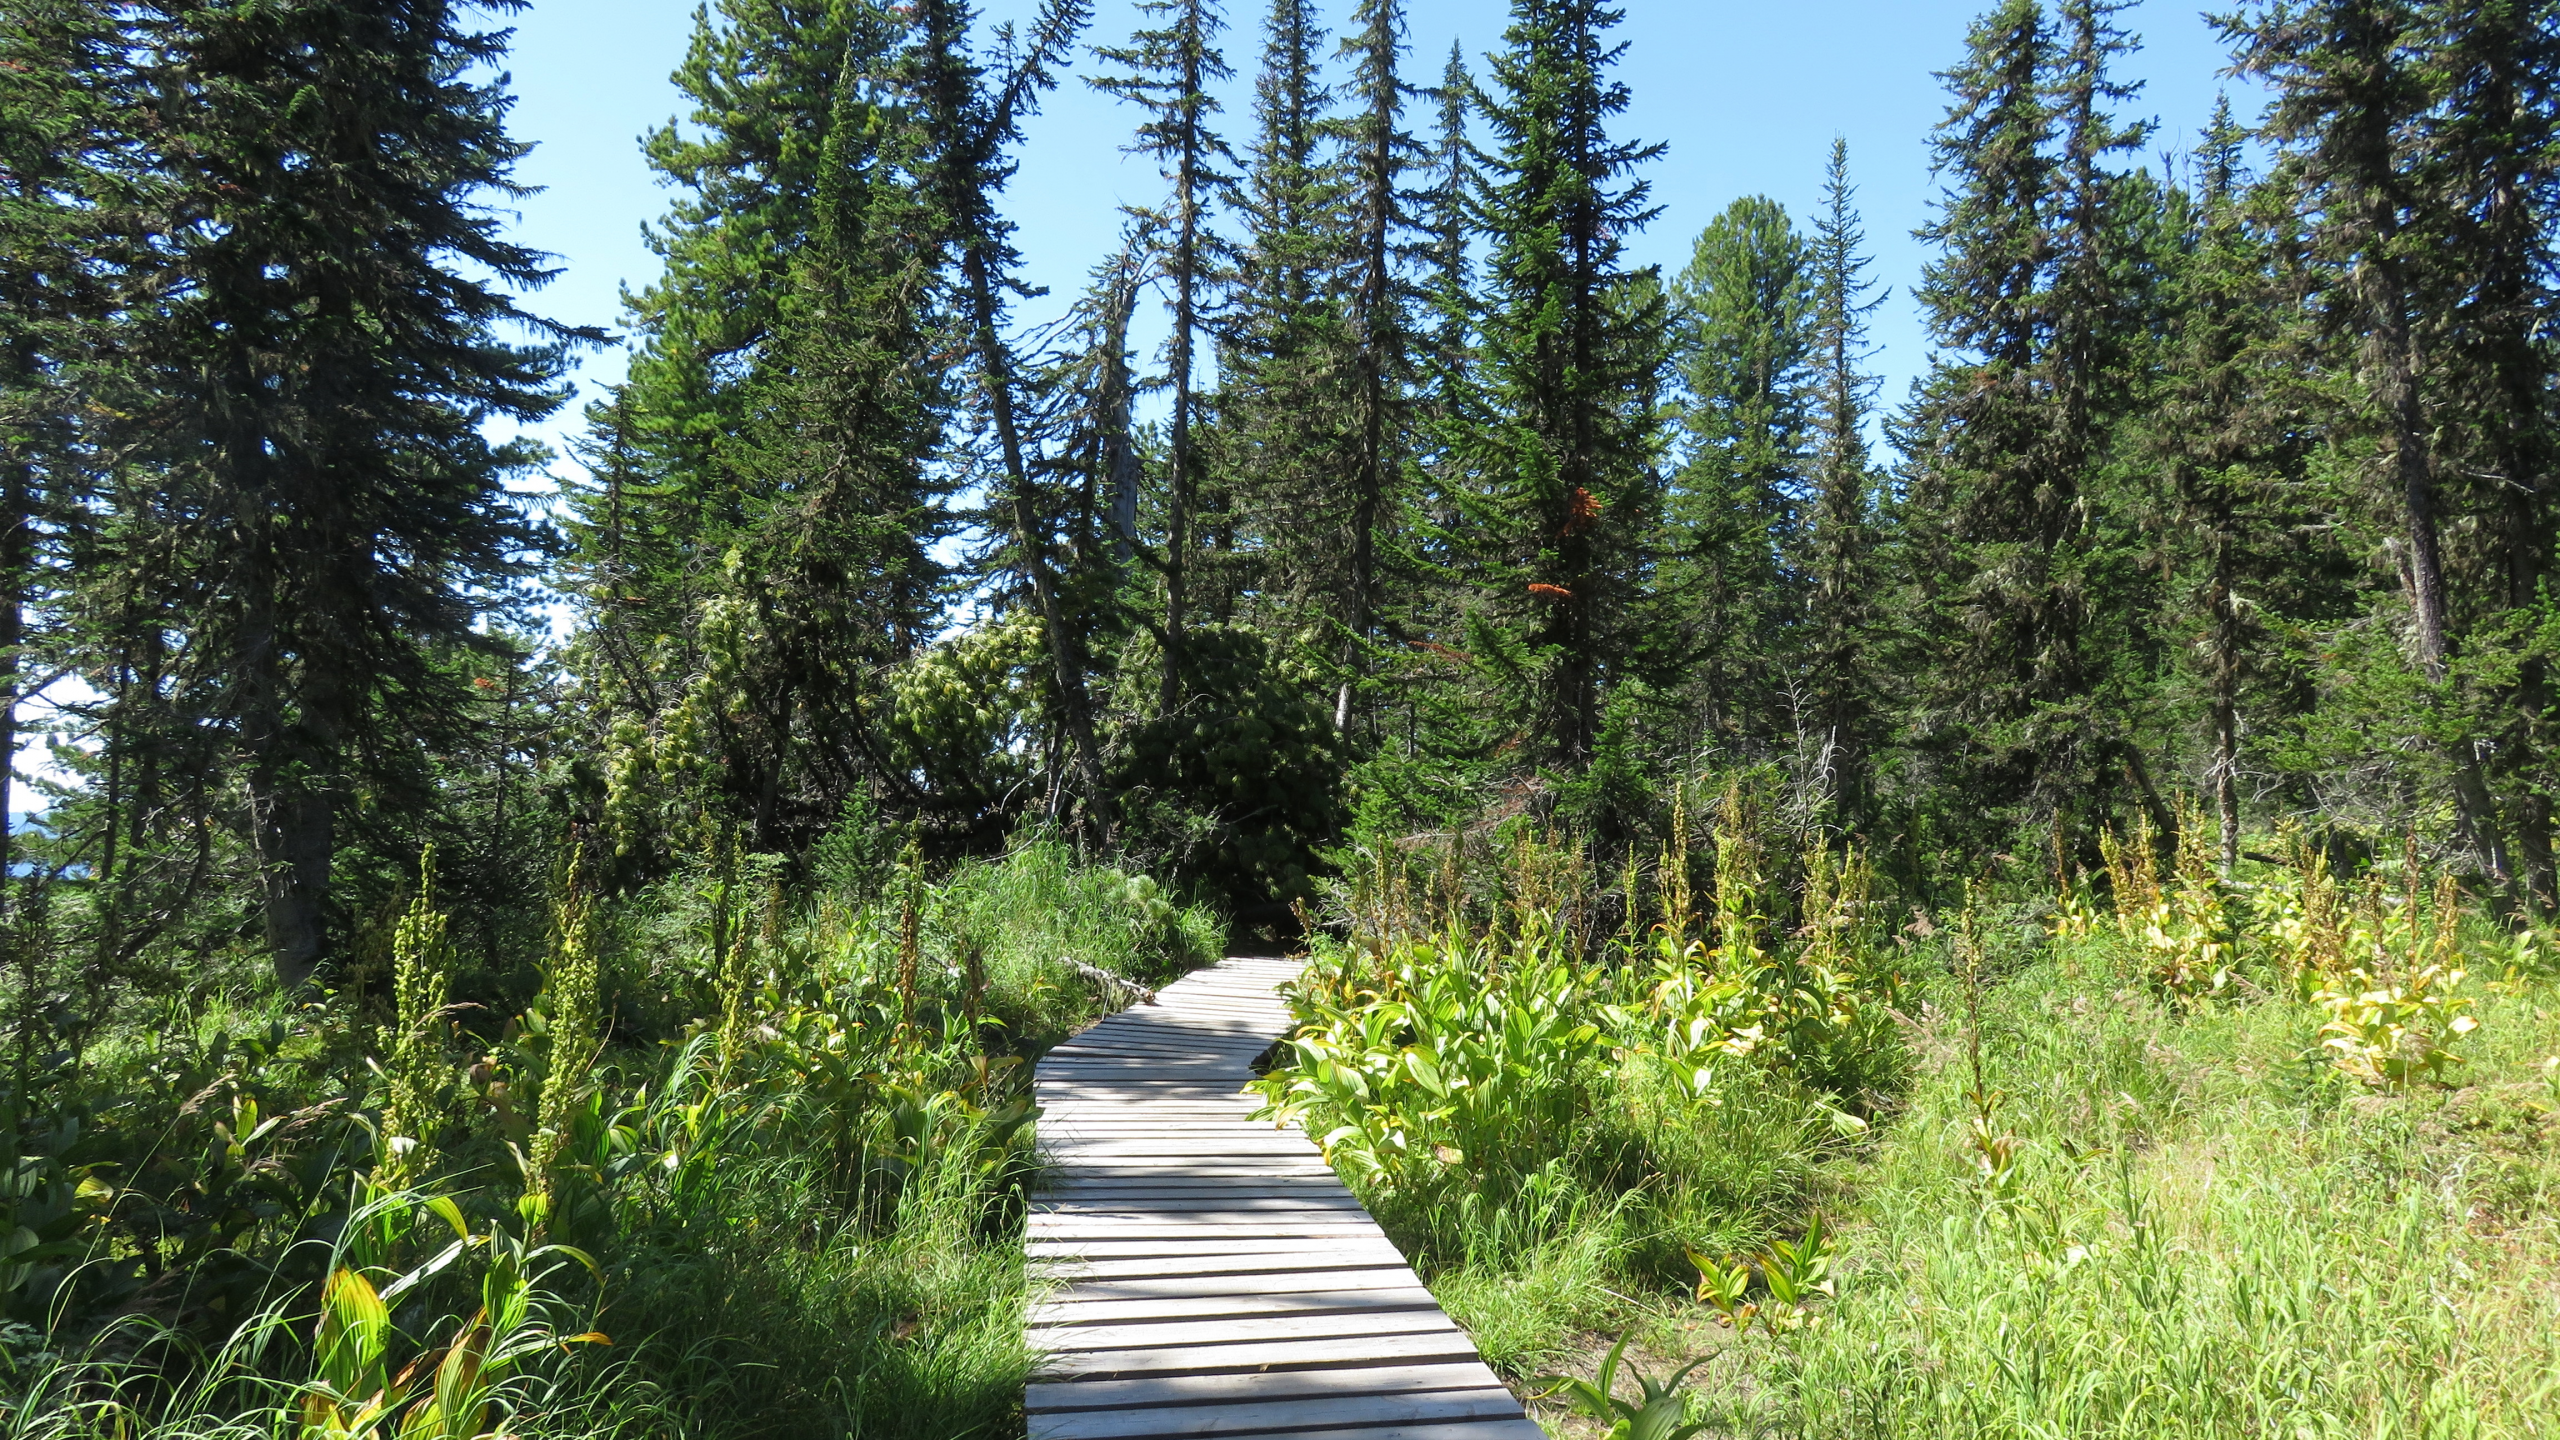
[1376, 156]
[974, 120]
[1839, 552]
[2353, 94]
[2018, 555]
[1561, 428]
[62, 191]
[760, 549]
[2219, 438]
[329, 521]
[1167, 70]
[1745, 306]
[1982, 522]
[2497, 144]
[1284, 385]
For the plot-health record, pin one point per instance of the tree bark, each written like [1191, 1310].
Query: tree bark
[967, 145]
[1186, 319]
[2226, 709]
[2396, 363]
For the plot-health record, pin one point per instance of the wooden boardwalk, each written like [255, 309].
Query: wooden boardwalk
[1210, 1275]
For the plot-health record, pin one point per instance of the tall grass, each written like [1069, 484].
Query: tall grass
[2164, 1154]
[771, 1144]
[1551, 1119]
[2209, 1234]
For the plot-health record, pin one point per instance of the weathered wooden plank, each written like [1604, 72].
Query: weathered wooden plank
[1064, 1186]
[1245, 1170]
[1061, 1251]
[1068, 1313]
[1261, 1356]
[1094, 1290]
[1257, 1329]
[1084, 1270]
[1233, 1127]
[1215, 1140]
[1158, 1390]
[1110, 1122]
[1133, 1232]
[1198, 1209]
[1290, 1416]
[1522, 1428]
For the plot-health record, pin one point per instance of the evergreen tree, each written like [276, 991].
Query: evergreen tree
[1560, 434]
[62, 184]
[973, 124]
[1839, 553]
[2220, 438]
[2353, 93]
[1284, 384]
[1168, 69]
[1746, 311]
[2497, 141]
[2019, 556]
[1448, 221]
[328, 521]
[1377, 154]
[760, 552]
[1982, 523]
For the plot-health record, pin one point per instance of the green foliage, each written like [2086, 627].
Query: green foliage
[2178, 1196]
[416, 1077]
[1555, 430]
[1535, 1113]
[1236, 787]
[1658, 1414]
[823, 1159]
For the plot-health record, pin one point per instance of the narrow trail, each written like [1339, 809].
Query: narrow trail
[1210, 1275]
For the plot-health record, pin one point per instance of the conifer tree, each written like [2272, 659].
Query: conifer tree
[60, 193]
[1284, 381]
[973, 123]
[1561, 426]
[760, 551]
[2353, 92]
[328, 519]
[2497, 142]
[1840, 551]
[1746, 309]
[1448, 221]
[2019, 553]
[842, 512]
[2219, 440]
[1167, 69]
[1377, 154]
[1444, 352]
[1982, 522]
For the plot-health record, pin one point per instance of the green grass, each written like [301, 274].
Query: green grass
[2211, 1237]
[2207, 1228]
[800, 1188]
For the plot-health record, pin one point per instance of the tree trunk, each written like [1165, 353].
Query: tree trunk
[17, 560]
[968, 142]
[1066, 645]
[1377, 297]
[1179, 478]
[1119, 446]
[2397, 365]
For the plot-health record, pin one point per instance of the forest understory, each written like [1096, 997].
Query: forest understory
[2267, 1155]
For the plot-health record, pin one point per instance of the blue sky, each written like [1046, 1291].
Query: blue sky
[1746, 96]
